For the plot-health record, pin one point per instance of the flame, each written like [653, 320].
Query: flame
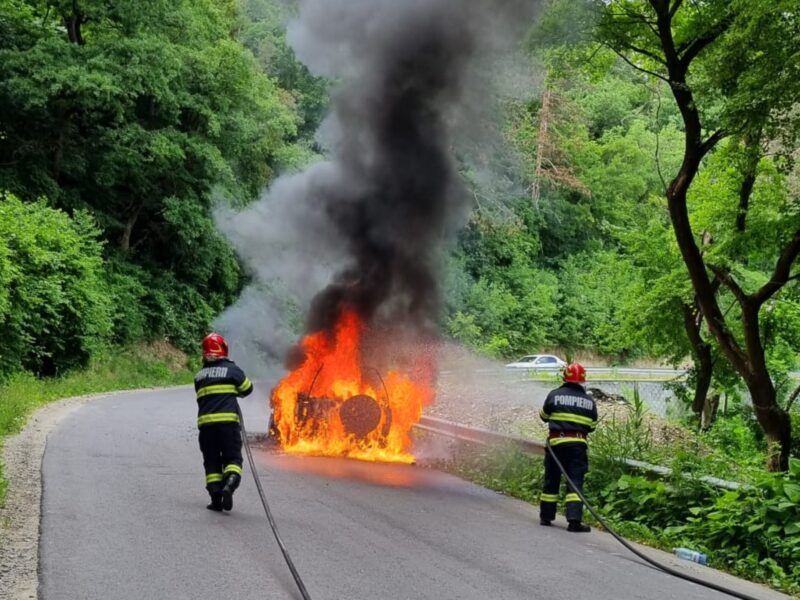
[332, 374]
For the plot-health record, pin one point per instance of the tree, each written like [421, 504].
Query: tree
[54, 307]
[726, 65]
[142, 114]
[262, 29]
[549, 160]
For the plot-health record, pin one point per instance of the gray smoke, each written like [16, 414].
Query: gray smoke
[365, 229]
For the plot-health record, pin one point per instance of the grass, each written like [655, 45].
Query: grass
[120, 369]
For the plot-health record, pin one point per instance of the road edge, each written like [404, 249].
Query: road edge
[20, 519]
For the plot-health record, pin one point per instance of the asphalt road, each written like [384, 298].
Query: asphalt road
[124, 518]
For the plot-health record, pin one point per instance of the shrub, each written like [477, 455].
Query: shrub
[54, 310]
[754, 528]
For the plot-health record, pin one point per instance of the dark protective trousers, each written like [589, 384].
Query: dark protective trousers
[574, 457]
[221, 445]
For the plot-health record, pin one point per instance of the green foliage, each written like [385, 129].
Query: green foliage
[262, 30]
[732, 57]
[54, 311]
[158, 102]
[743, 77]
[141, 114]
[624, 437]
[594, 291]
[653, 504]
[150, 306]
[752, 529]
[509, 300]
[613, 132]
[741, 439]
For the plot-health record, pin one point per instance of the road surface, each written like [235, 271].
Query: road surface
[124, 518]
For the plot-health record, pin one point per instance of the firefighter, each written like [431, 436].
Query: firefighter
[571, 415]
[218, 384]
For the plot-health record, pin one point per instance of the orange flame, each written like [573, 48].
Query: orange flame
[307, 403]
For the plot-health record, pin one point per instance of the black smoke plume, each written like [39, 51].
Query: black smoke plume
[379, 211]
[399, 189]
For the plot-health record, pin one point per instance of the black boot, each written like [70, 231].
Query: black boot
[545, 522]
[216, 502]
[231, 483]
[578, 527]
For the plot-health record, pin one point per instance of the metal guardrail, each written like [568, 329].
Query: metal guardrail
[631, 371]
[486, 437]
[476, 435]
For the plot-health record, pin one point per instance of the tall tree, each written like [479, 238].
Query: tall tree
[731, 66]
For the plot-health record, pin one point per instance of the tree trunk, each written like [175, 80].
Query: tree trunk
[704, 368]
[58, 155]
[775, 422]
[541, 145]
[125, 238]
[749, 361]
[745, 191]
[709, 412]
[703, 360]
[73, 25]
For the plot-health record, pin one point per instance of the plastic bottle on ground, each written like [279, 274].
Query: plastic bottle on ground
[692, 555]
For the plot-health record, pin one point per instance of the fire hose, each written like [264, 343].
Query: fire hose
[624, 542]
[295, 574]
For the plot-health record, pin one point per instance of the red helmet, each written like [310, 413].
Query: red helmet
[575, 373]
[215, 346]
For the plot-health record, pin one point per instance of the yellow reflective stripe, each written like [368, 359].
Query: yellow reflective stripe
[572, 498]
[217, 389]
[233, 469]
[218, 418]
[549, 497]
[544, 416]
[567, 440]
[573, 418]
[246, 385]
[213, 477]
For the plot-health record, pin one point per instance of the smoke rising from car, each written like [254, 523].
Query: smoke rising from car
[366, 228]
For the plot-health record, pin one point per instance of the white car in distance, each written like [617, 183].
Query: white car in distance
[538, 361]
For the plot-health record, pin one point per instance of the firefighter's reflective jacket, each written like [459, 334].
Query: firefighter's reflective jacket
[570, 411]
[218, 384]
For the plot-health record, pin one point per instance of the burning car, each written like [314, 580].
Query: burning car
[333, 404]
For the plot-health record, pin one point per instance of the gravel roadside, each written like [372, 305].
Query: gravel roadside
[19, 519]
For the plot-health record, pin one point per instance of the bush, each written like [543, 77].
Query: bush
[754, 529]
[54, 309]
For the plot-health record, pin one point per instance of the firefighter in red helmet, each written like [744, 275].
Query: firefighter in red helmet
[571, 415]
[218, 385]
